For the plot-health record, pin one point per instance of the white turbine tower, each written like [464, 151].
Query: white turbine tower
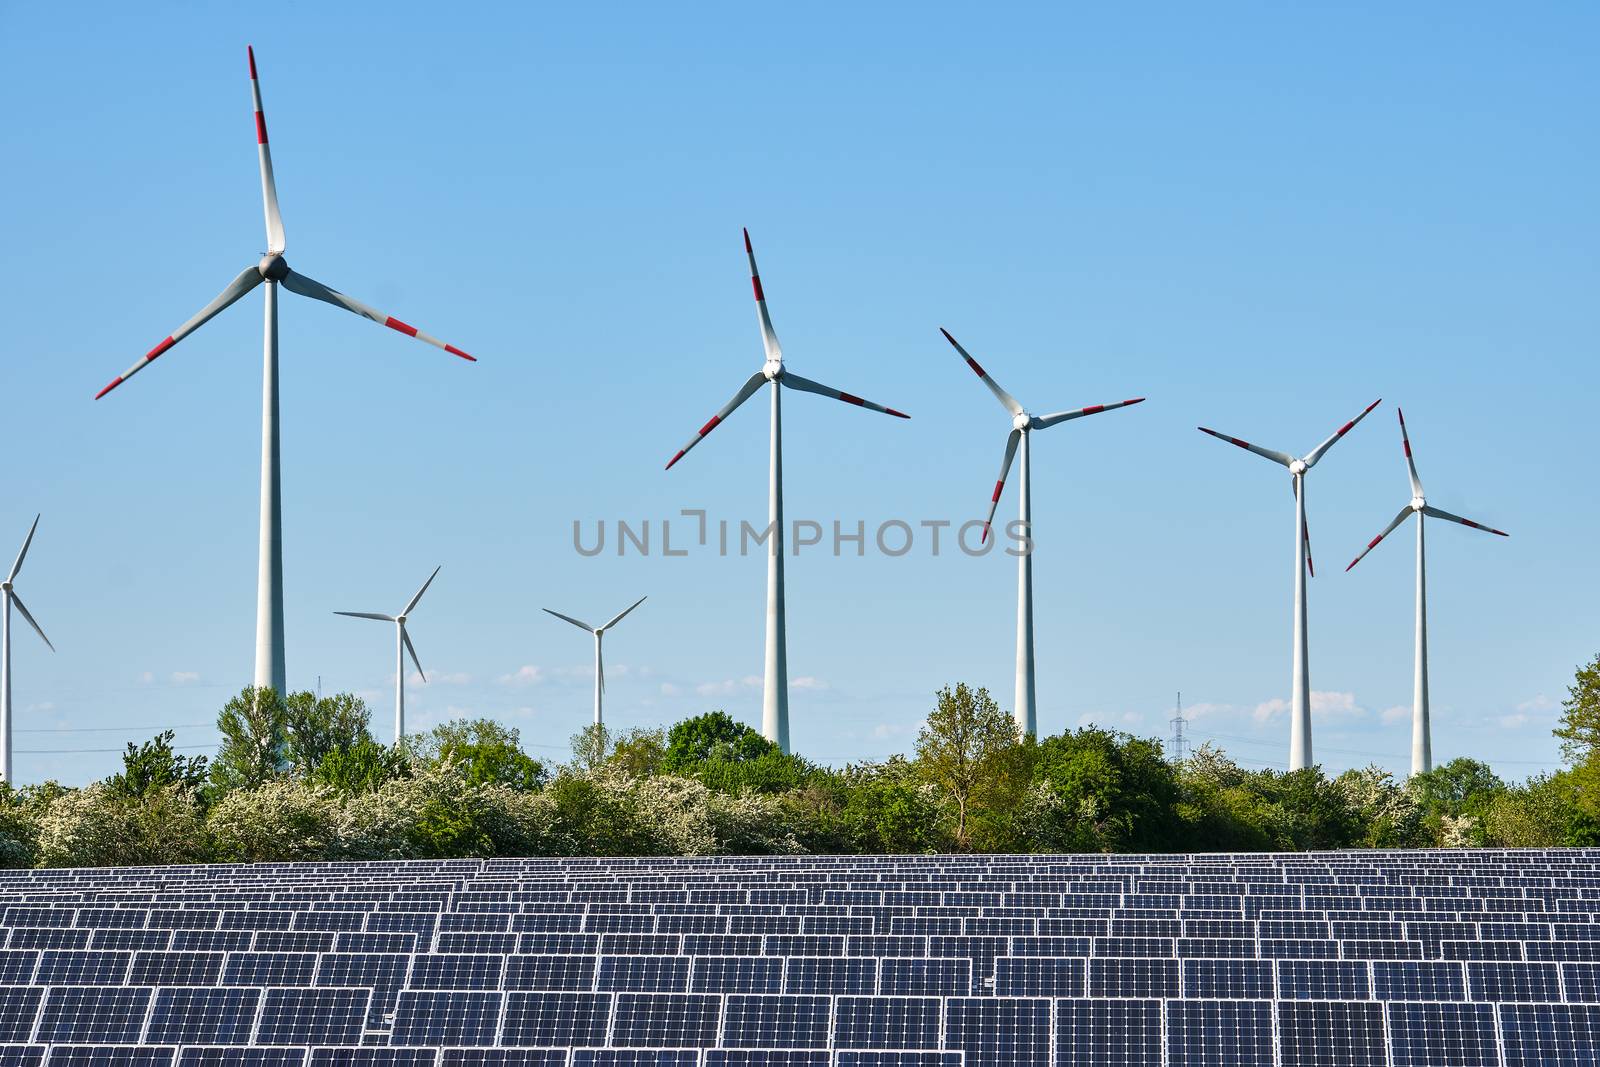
[1023, 424]
[8, 593]
[775, 679]
[1300, 694]
[402, 645]
[1421, 732]
[272, 270]
[599, 660]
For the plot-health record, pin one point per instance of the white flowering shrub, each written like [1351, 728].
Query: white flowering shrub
[276, 822]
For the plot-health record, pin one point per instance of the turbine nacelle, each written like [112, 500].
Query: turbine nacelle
[1298, 467]
[1022, 421]
[272, 267]
[772, 370]
[1418, 504]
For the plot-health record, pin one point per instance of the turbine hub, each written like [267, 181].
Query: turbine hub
[1417, 503]
[772, 370]
[273, 268]
[1297, 467]
[1021, 421]
[5, 587]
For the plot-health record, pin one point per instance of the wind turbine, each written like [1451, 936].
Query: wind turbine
[402, 645]
[8, 593]
[272, 270]
[1421, 733]
[775, 678]
[1300, 695]
[599, 635]
[1022, 426]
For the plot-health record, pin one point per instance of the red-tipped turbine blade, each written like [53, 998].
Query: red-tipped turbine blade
[1008, 401]
[746, 391]
[794, 381]
[1266, 453]
[1316, 453]
[247, 280]
[1000, 483]
[769, 338]
[1433, 512]
[269, 186]
[299, 283]
[1411, 466]
[1387, 530]
[1044, 422]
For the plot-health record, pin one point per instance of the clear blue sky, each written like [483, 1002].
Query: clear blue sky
[1260, 218]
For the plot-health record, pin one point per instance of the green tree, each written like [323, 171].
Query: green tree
[255, 739]
[713, 736]
[485, 752]
[591, 745]
[316, 728]
[153, 766]
[1580, 719]
[1099, 791]
[965, 742]
[362, 767]
[639, 752]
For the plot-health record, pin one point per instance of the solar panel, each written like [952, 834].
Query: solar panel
[996, 1031]
[1323, 980]
[644, 974]
[1505, 982]
[21, 1055]
[1413, 980]
[549, 1019]
[191, 1016]
[111, 1056]
[1550, 1035]
[269, 968]
[619, 1057]
[737, 974]
[924, 977]
[1443, 1035]
[886, 1022]
[1331, 1034]
[19, 1007]
[776, 1022]
[1109, 1033]
[82, 967]
[432, 970]
[1228, 979]
[446, 1017]
[1219, 1033]
[669, 1020]
[832, 974]
[312, 1016]
[1133, 978]
[503, 1057]
[175, 968]
[895, 1058]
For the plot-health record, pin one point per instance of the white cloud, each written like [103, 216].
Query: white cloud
[669, 690]
[893, 729]
[1398, 713]
[1203, 709]
[527, 674]
[807, 682]
[712, 689]
[1511, 722]
[185, 677]
[441, 678]
[1324, 705]
[1537, 704]
[1268, 710]
[751, 681]
[147, 677]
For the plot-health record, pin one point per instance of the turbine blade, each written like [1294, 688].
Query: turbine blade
[16, 568]
[1305, 532]
[624, 614]
[269, 187]
[746, 391]
[1316, 453]
[769, 339]
[1044, 422]
[23, 608]
[366, 615]
[413, 602]
[1387, 530]
[1276, 457]
[794, 381]
[296, 282]
[247, 280]
[1007, 401]
[1000, 483]
[1411, 467]
[405, 637]
[600, 662]
[1434, 512]
[568, 618]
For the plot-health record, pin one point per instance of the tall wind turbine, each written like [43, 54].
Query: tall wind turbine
[274, 272]
[402, 645]
[1300, 695]
[1421, 733]
[599, 660]
[775, 678]
[8, 593]
[1022, 426]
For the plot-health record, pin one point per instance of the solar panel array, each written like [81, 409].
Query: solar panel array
[1361, 959]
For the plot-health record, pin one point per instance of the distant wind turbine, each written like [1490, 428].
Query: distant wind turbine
[8, 592]
[775, 678]
[599, 659]
[1022, 426]
[1300, 696]
[272, 270]
[1421, 731]
[402, 645]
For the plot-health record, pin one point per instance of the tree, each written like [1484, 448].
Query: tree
[153, 766]
[362, 767]
[713, 736]
[963, 743]
[1580, 720]
[484, 750]
[317, 728]
[255, 738]
[591, 745]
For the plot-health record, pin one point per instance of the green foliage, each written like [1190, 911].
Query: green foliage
[484, 752]
[1098, 791]
[361, 768]
[965, 748]
[712, 736]
[316, 729]
[153, 766]
[255, 740]
[1580, 720]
